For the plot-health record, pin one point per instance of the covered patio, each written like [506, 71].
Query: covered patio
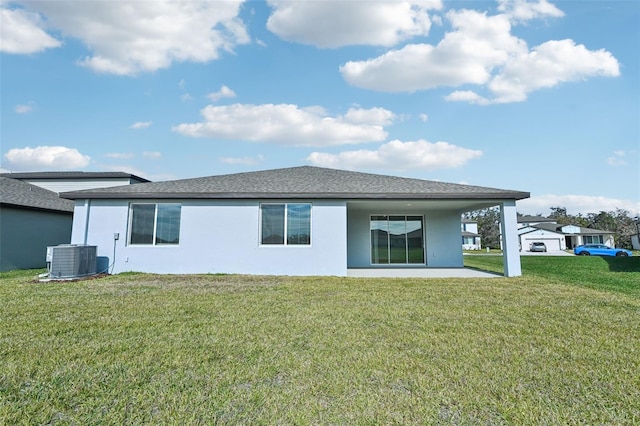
[421, 236]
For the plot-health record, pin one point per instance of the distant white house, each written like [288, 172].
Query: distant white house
[558, 237]
[471, 240]
[635, 239]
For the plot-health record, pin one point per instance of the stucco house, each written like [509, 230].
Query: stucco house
[31, 218]
[562, 237]
[471, 240]
[293, 221]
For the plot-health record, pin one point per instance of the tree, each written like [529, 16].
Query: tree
[488, 225]
[560, 215]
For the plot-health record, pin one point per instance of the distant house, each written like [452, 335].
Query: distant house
[524, 221]
[470, 237]
[293, 221]
[635, 238]
[31, 218]
[558, 237]
[75, 181]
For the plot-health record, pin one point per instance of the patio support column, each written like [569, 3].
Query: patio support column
[510, 246]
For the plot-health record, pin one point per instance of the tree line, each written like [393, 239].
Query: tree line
[619, 222]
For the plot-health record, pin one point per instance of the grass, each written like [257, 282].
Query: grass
[617, 274]
[545, 348]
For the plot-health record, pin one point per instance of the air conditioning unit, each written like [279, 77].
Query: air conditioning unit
[71, 260]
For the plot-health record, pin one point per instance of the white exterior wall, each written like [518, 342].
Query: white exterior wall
[68, 185]
[442, 236]
[216, 237]
[443, 240]
[607, 238]
[469, 227]
[553, 240]
[476, 246]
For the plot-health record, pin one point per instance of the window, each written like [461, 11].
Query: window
[468, 240]
[155, 224]
[593, 239]
[292, 221]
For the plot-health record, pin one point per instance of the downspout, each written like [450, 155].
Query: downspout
[86, 221]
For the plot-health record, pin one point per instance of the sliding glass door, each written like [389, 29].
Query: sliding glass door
[397, 239]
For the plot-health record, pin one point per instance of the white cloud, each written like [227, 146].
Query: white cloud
[21, 32]
[45, 158]
[119, 155]
[576, 204]
[464, 56]
[398, 155]
[467, 96]
[424, 117]
[287, 124]
[523, 10]
[153, 155]
[24, 108]
[331, 24]
[548, 65]
[224, 92]
[481, 51]
[130, 37]
[619, 158]
[141, 125]
[248, 161]
[186, 97]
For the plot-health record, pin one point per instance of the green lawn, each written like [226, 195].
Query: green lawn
[617, 274]
[560, 345]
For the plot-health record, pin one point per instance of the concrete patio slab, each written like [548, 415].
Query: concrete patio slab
[419, 273]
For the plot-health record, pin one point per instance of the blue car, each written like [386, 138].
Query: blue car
[600, 250]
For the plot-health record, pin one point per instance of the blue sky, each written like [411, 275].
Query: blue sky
[537, 96]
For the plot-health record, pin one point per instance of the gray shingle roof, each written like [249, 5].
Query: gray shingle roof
[298, 183]
[554, 227]
[17, 193]
[537, 219]
[71, 175]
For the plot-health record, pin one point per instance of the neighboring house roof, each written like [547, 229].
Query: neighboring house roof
[469, 234]
[300, 182]
[14, 192]
[552, 227]
[535, 219]
[72, 175]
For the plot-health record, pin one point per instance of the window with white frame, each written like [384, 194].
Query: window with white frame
[593, 239]
[154, 224]
[285, 224]
[468, 240]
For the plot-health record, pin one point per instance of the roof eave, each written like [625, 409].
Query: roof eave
[289, 195]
